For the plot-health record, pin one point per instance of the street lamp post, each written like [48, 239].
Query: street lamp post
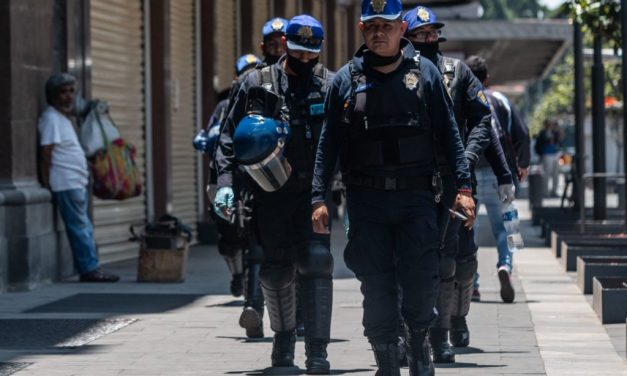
[598, 130]
[623, 4]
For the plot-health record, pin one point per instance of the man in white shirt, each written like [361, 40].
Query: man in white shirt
[64, 172]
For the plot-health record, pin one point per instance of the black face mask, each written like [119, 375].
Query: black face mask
[373, 60]
[428, 50]
[300, 68]
[271, 59]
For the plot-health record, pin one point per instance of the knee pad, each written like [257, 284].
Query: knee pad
[277, 277]
[447, 268]
[315, 262]
[466, 269]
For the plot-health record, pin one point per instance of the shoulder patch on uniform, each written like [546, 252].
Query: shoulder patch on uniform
[481, 97]
[411, 80]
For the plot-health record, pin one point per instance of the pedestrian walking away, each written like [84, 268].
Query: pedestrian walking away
[271, 133]
[386, 110]
[459, 250]
[513, 135]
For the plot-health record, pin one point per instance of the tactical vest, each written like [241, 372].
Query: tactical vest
[304, 115]
[387, 124]
[449, 68]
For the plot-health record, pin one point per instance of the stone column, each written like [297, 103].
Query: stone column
[28, 251]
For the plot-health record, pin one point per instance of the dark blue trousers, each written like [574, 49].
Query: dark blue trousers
[393, 242]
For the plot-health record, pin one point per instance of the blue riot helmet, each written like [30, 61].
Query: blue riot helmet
[258, 145]
[207, 140]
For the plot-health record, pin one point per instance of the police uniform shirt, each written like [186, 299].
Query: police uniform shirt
[439, 108]
[472, 110]
[224, 156]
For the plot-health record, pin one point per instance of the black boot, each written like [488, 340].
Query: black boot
[237, 285]
[465, 275]
[316, 352]
[386, 356]
[283, 349]
[251, 318]
[419, 353]
[442, 351]
[460, 336]
[316, 298]
[402, 352]
[278, 290]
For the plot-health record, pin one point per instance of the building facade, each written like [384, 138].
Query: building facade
[160, 65]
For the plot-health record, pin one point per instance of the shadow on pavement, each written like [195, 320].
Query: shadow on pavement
[293, 371]
[475, 350]
[469, 365]
[268, 339]
[501, 302]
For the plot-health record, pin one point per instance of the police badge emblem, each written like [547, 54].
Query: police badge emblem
[423, 14]
[378, 5]
[250, 58]
[411, 80]
[277, 24]
[305, 32]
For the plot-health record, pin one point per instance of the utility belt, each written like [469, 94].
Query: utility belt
[397, 183]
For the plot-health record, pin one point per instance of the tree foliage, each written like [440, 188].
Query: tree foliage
[511, 9]
[598, 17]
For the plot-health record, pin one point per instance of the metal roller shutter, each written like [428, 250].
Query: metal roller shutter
[317, 10]
[260, 16]
[117, 77]
[183, 111]
[225, 41]
[291, 8]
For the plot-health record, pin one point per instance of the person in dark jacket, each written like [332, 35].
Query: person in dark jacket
[386, 108]
[459, 249]
[282, 213]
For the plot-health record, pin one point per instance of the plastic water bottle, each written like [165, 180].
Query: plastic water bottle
[509, 214]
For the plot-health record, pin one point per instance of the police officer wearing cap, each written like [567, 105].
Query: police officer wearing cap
[385, 110]
[272, 133]
[473, 116]
[240, 250]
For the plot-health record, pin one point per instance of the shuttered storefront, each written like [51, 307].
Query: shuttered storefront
[260, 16]
[225, 42]
[183, 111]
[117, 77]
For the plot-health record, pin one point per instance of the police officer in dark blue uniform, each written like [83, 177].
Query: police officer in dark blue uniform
[385, 110]
[473, 116]
[240, 251]
[282, 206]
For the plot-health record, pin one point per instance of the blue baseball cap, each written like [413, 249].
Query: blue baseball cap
[420, 17]
[275, 25]
[304, 33]
[245, 62]
[386, 9]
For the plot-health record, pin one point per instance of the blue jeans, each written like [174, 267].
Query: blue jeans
[72, 205]
[488, 195]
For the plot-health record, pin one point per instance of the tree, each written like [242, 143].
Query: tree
[511, 9]
[598, 17]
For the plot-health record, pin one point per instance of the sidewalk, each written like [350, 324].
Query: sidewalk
[191, 328]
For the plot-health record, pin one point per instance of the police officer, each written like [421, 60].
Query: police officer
[472, 114]
[385, 109]
[233, 242]
[272, 46]
[282, 208]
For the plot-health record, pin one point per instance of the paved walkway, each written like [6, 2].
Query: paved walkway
[191, 328]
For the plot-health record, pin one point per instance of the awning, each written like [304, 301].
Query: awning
[518, 52]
